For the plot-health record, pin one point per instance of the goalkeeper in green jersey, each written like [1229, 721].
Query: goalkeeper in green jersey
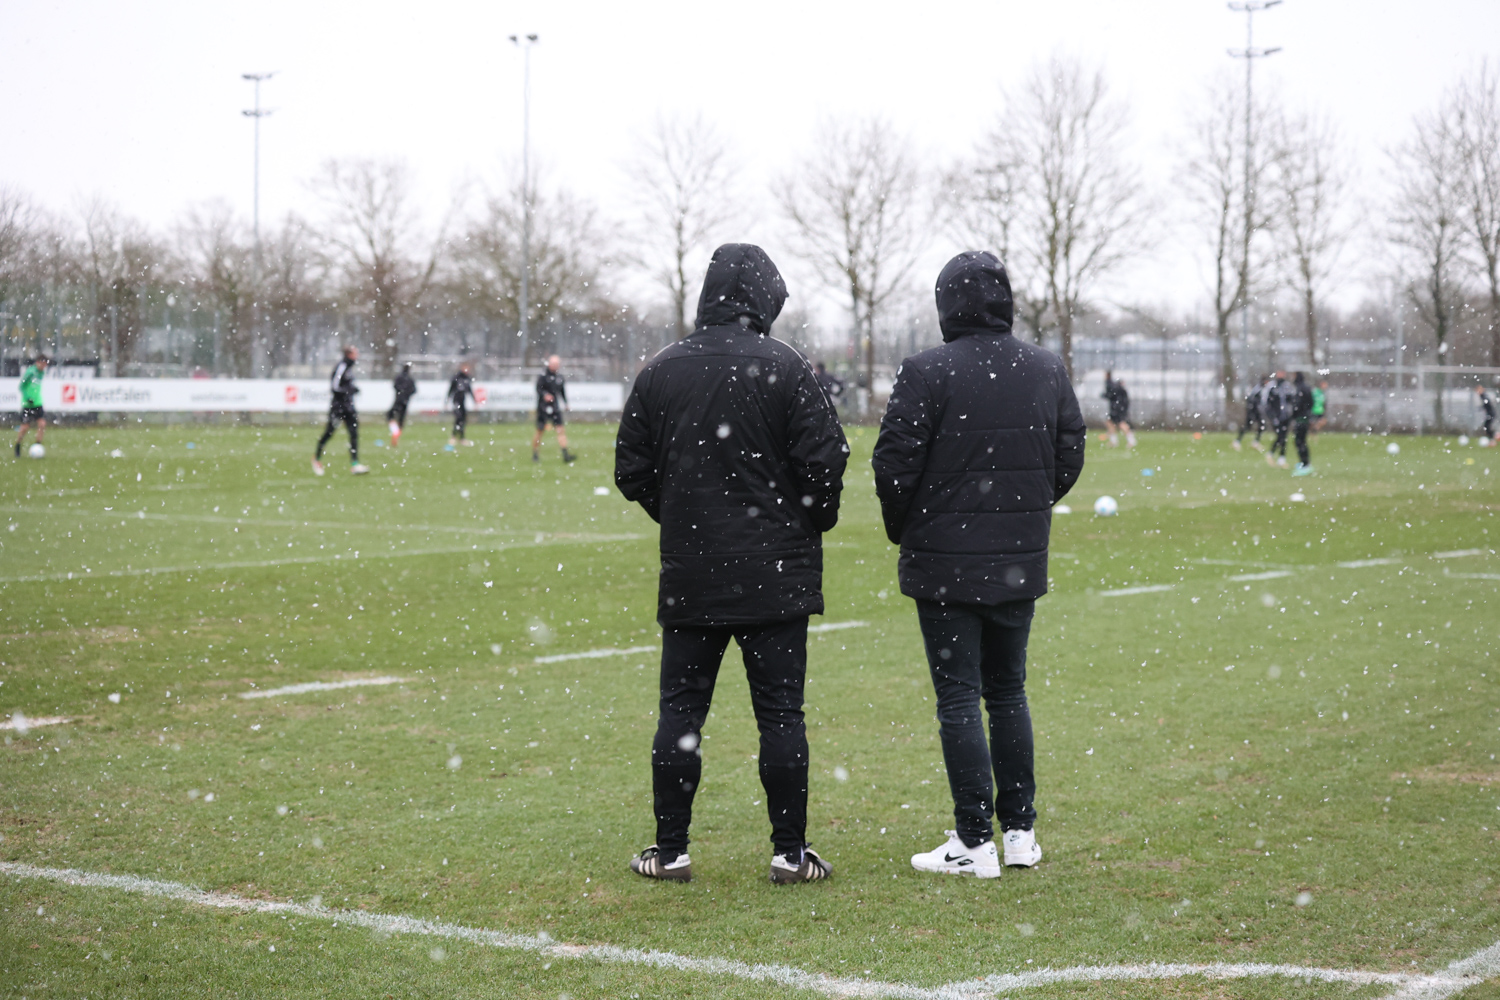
[31, 401]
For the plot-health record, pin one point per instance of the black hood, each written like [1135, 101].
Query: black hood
[973, 296]
[741, 281]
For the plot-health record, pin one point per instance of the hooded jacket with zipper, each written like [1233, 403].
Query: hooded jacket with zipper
[981, 437]
[729, 443]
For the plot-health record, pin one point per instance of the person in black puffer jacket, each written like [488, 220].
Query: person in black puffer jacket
[729, 443]
[981, 437]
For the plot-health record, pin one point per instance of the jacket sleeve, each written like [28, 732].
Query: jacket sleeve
[817, 451]
[636, 474]
[1068, 440]
[901, 450]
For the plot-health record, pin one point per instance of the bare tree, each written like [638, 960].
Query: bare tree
[374, 236]
[1476, 113]
[569, 252]
[1307, 194]
[1213, 175]
[857, 209]
[118, 258]
[217, 255]
[292, 286]
[1080, 210]
[1428, 222]
[683, 177]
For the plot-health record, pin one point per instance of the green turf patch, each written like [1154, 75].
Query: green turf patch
[1266, 726]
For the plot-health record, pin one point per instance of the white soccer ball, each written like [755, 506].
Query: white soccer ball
[37, 451]
[1393, 449]
[1106, 506]
[1463, 440]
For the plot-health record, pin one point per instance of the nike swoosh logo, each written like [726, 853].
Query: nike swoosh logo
[962, 859]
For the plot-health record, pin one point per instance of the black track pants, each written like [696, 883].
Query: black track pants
[460, 421]
[1279, 447]
[979, 652]
[775, 658]
[342, 412]
[1304, 456]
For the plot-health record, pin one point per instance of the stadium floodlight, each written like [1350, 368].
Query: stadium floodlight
[524, 43]
[1249, 53]
[257, 113]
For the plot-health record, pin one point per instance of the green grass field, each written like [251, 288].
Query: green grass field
[1276, 744]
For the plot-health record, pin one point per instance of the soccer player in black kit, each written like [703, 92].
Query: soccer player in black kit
[1487, 403]
[460, 390]
[406, 388]
[341, 382]
[551, 397]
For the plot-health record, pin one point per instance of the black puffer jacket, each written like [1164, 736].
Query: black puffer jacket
[728, 441]
[982, 436]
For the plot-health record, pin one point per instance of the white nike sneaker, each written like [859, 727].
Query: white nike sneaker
[1021, 850]
[953, 858]
[358, 469]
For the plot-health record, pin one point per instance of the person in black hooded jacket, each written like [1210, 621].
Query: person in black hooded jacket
[729, 443]
[981, 437]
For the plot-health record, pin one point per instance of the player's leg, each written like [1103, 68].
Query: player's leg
[1112, 431]
[953, 635]
[1007, 627]
[393, 419]
[775, 658]
[562, 439]
[1129, 433]
[536, 439]
[1304, 454]
[21, 435]
[351, 421]
[41, 429]
[333, 422]
[690, 659]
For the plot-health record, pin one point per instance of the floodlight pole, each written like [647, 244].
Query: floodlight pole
[257, 113]
[1249, 53]
[525, 42]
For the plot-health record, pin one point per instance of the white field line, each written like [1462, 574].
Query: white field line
[310, 560]
[1473, 576]
[1460, 553]
[595, 654]
[1362, 563]
[1155, 588]
[1271, 574]
[1458, 976]
[21, 723]
[835, 626]
[322, 686]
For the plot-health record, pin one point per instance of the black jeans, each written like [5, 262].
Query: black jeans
[1279, 447]
[1304, 456]
[979, 651]
[342, 412]
[775, 657]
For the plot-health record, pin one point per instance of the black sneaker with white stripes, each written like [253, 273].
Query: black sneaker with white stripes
[811, 868]
[651, 864]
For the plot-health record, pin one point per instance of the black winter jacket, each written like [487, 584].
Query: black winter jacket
[728, 442]
[981, 437]
[406, 388]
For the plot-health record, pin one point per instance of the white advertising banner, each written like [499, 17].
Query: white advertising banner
[155, 395]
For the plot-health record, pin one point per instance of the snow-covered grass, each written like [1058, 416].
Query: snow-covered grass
[1293, 766]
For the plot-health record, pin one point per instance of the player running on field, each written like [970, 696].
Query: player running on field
[1119, 411]
[341, 383]
[395, 417]
[1487, 404]
[460, 391]
[1254, 413]
[31, 401]
[551, 400]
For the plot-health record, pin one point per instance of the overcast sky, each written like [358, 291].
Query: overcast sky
[140, 102]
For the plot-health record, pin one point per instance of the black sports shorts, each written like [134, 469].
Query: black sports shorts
[31, 414]
[548, 416]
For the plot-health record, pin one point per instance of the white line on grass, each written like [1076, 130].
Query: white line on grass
[1473, 576]
[20, 722]
[1459, 553]
[1274, 574]
[1362, 563]
[310, 560]
[1155, 588]
[322, 686]
[595, 654]
[1458, 976]
[835, 626]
